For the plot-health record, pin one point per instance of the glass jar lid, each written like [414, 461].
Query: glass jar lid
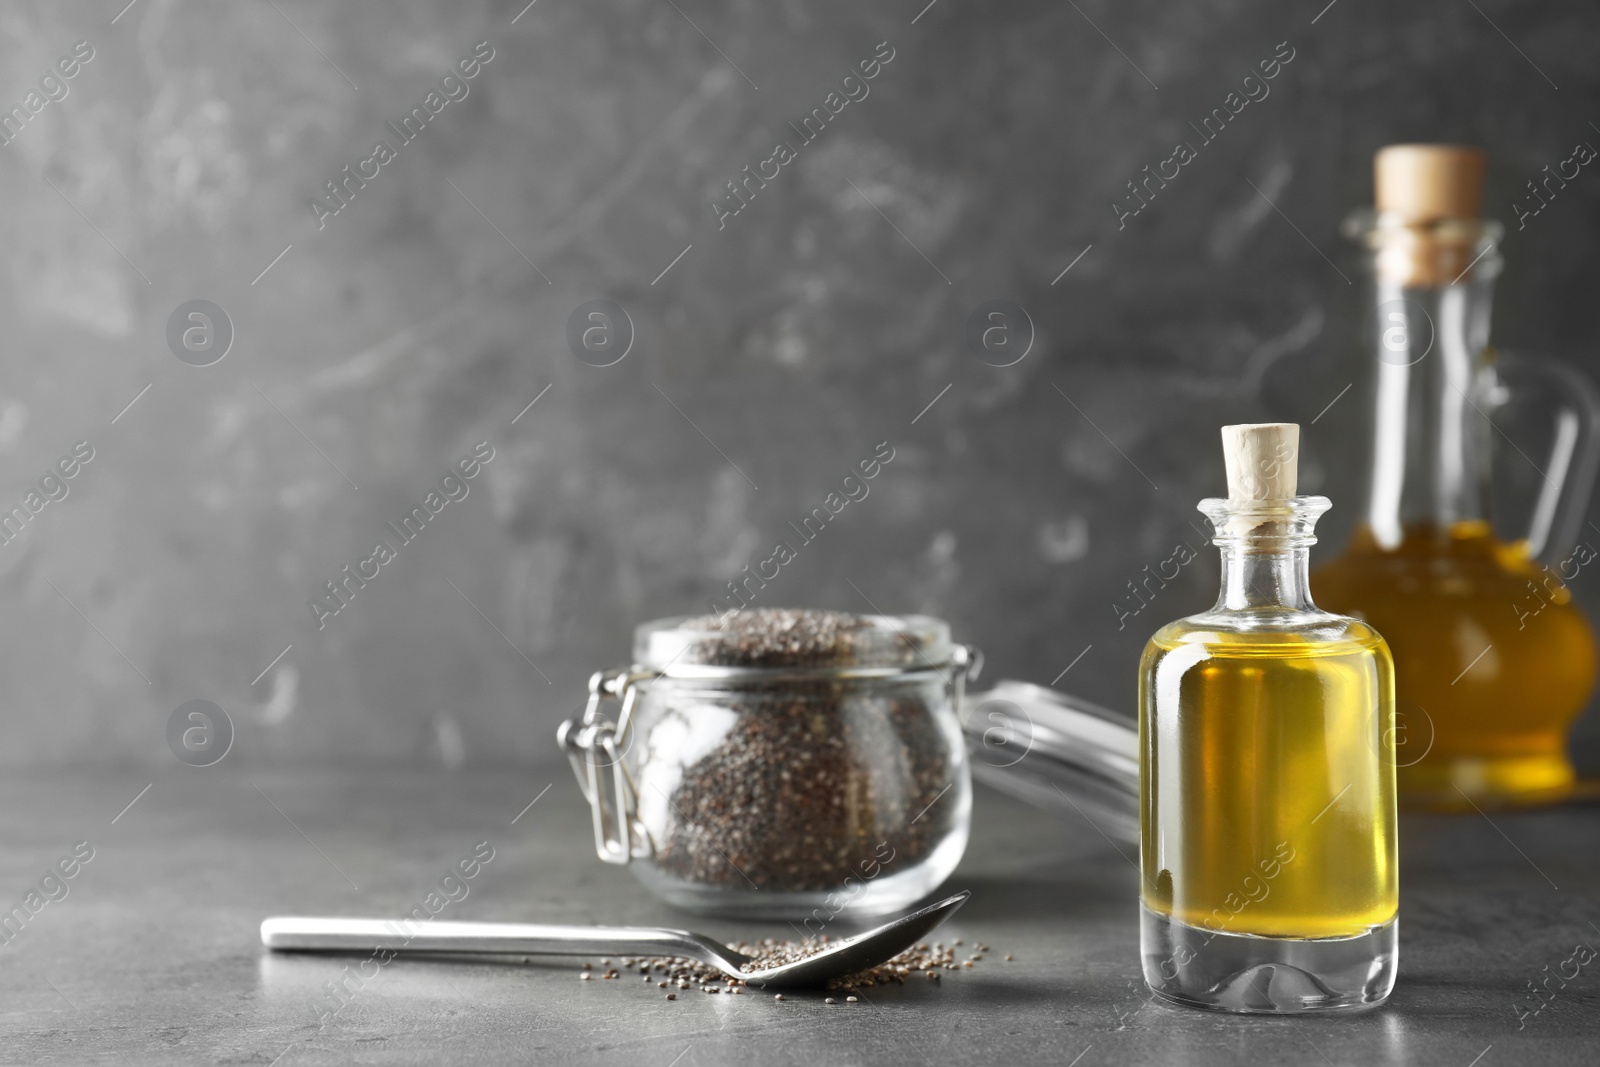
[792, 639]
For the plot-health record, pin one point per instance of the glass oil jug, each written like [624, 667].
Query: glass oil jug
[1268, 854]
[1493, 660]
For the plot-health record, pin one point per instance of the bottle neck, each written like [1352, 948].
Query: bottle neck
[1428, 330]
[1266, 551]
[1257, 579]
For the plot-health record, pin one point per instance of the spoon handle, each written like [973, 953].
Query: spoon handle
[300, 934]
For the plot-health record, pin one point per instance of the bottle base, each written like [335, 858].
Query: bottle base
[1218, 971]
[1448, 783]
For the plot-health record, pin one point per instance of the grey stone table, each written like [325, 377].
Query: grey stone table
[152, 956]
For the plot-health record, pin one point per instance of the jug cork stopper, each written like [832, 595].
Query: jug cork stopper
[1263, 460]
[1422, 183]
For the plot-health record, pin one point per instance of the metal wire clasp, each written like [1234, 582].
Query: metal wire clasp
[966, 663]
[595, 747]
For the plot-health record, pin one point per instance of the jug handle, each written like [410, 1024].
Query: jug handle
[1569, 471]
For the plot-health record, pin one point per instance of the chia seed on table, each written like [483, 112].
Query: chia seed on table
[772, 952]
[817, 779]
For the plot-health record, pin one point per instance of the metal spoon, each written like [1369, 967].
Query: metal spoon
[837, 959]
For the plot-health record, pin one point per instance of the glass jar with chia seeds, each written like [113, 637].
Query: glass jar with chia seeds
[781, 763]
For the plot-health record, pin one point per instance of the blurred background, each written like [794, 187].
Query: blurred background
[588, 158]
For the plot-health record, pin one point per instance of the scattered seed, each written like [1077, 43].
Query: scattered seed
[829, 1000]
[1010, 957]
[850, 1000]
[770, 952]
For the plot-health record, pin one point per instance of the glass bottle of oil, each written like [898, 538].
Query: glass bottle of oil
[1493, 659]
[1266, 771]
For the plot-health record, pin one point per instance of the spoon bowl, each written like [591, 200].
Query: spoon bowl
[852, 955]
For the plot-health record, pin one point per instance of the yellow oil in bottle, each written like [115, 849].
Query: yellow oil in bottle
[1268, 800]
[1493, 661]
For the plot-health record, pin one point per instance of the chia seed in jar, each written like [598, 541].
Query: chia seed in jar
[794, 763]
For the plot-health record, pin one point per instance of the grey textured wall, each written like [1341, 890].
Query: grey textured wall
[778, 350]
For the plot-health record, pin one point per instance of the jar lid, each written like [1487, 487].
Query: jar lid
[1058, 752]
[793, 638]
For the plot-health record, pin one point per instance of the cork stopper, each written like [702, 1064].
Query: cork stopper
[1429, 199]
[1422, 183]
[1263, 460]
